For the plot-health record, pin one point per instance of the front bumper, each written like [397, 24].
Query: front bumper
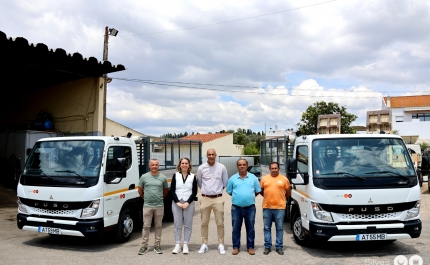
[83, 228]
[333, 232]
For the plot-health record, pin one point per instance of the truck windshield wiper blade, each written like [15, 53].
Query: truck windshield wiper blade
[345, 174]
[388, 172]
[71, 171]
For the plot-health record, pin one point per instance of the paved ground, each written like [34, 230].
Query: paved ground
[21, 247]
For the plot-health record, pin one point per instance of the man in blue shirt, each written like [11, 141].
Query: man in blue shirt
[243, 187]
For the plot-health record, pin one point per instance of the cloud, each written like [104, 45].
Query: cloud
[249, 73]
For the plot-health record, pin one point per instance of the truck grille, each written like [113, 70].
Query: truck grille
[65, 213]
[359, 217]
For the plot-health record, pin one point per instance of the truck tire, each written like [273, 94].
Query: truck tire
[300, 236]
[124, 229]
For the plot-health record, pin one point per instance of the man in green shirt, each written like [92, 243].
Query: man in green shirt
[152, 188]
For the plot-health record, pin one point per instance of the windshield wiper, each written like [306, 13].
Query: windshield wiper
[71, 171]
[389, 172]
[345, 174]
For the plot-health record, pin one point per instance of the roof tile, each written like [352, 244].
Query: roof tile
[205, 137]
[409, 101]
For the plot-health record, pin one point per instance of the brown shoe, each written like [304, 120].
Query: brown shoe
[251, 251]
[235, 251]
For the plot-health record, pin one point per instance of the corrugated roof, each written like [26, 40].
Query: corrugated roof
[409, 101]
[37, 66]
[205, 137]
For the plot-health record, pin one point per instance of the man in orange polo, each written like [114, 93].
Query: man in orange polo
[275, 189]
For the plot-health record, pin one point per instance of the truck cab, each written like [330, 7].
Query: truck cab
[353, 188]
[80, 186]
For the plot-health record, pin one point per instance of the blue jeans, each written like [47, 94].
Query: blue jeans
[238, 215]
[277, 216]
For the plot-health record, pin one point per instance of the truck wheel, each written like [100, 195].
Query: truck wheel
[299, 232]
[125, 226]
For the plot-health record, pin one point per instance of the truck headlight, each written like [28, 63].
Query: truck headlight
[414, 212]
[91, 210]
[21, 207]
[320, 214]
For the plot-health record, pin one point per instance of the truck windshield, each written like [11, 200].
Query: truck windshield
[365, 157]
[65, 159]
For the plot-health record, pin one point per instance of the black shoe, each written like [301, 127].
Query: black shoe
[266, 251]
[280, 251]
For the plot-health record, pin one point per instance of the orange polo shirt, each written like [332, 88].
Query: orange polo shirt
[276, 191]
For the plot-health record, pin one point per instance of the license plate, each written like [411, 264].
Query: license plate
[49, 230]
[370, 237]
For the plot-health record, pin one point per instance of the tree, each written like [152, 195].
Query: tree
[251, 150]
[423, 146]
[309, 119]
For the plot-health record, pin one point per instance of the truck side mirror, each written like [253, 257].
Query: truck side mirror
[292, 167]
[292, 171]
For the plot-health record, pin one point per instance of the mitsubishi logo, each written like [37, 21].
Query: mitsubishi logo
[51, 198]
[370, 201]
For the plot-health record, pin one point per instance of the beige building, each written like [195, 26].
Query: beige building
[329, 124]
[117, 129]
[221, 142]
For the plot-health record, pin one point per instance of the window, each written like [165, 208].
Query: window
[302, 158]
[115, 152]
[399, 118]
[421, 116]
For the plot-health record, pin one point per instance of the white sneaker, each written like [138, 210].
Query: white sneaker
[185, 249]
[203, 249]
[221, 249]
[177, 249]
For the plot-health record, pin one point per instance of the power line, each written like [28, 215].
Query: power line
[250, 92]
[230, 21]
[183, 85]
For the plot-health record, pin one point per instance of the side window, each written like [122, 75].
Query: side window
[302, 158]
[115, 152]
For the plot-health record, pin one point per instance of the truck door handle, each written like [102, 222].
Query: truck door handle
[131, 187]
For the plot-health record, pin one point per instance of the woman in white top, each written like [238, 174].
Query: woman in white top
[183, 190]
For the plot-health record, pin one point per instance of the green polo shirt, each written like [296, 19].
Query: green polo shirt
[153, 187]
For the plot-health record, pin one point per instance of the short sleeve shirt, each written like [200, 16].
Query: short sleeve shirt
[243, 190]
[153, 187]
[274, 189]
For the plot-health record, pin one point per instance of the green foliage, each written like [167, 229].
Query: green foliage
[251, 149]
[309, 119]
[424, 146]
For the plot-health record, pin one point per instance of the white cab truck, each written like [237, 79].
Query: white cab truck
[80, 186]
[353, 187]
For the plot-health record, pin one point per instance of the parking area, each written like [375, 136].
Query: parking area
[21, 247]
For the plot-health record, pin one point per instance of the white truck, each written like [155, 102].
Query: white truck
[352, 187]
[81, 186]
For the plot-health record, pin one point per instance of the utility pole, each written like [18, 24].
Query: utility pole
[105, 58]
[113, 32]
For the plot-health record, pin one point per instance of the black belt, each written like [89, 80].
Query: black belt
[212, 196]
[243, 207]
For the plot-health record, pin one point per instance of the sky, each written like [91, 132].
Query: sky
[206, 66]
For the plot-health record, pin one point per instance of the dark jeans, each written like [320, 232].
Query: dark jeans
[277, 216]
[238, 214]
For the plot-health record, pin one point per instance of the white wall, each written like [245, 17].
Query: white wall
[223, 146]
[409, 127]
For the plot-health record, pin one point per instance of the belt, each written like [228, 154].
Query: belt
[243, 207]
[212, 196]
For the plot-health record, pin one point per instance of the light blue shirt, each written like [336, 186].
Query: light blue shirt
[243, 190]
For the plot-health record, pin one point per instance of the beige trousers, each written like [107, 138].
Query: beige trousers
[158, 213]
[206, 206]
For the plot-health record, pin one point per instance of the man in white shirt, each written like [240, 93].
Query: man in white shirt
[212, 178]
